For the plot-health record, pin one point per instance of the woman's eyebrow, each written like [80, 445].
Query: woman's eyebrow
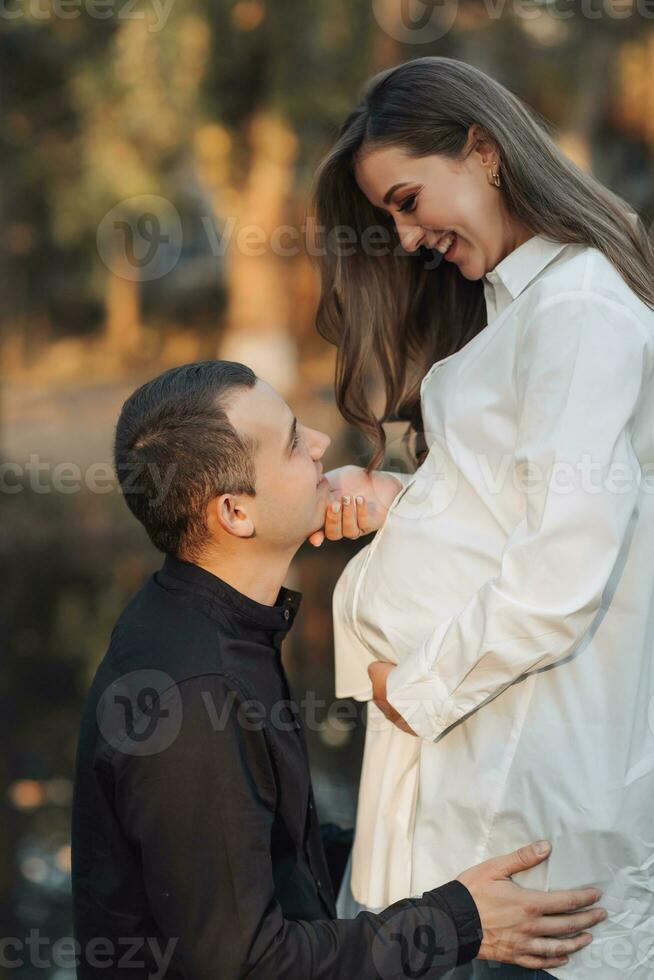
[389, 193]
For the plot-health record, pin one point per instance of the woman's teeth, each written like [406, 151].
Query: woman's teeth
[443, 245]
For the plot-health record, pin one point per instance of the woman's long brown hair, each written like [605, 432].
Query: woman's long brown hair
[393, 311]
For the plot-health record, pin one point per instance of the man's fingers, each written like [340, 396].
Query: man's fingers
[520, 860]
[566, 900]
[567, 925]
[540, 963]
[554, 948]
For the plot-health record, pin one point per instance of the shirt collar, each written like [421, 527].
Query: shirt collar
[517, 270]
[271, 619]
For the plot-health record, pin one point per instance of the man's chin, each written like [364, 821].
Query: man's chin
[322, 500]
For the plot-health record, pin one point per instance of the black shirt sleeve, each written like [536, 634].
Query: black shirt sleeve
[200, 813]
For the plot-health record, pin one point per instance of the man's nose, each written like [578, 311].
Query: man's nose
[320, 442]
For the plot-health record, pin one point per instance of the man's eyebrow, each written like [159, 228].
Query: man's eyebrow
[291, 435]
[389, 193]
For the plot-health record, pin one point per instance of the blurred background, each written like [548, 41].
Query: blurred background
[155, 162]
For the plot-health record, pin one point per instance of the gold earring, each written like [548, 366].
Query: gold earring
[496, 178]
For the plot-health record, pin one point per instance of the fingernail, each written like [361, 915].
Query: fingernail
[346, 500]
[360, 501]
[542, 846]
[336, 506]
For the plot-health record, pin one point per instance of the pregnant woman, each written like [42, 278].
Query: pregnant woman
[500, 624]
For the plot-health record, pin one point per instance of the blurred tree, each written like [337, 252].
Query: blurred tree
[223, 107]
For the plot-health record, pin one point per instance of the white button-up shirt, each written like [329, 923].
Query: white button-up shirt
[513, 584]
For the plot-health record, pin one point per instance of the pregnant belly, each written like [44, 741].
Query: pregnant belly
[419, 571]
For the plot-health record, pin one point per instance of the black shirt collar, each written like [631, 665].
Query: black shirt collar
[273, 619]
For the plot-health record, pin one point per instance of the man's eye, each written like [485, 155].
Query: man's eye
[408, 204]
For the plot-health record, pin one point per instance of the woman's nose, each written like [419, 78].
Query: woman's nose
[410, 237]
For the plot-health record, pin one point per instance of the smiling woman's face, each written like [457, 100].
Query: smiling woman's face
[430, 196]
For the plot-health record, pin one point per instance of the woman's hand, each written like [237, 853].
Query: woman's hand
[378, 674]
[358, 503]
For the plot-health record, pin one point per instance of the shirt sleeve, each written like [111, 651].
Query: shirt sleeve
[200, 815]
[404, 478]
[579, 374]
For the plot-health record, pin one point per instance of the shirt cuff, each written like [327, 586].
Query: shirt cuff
[418, 694]
[455, 899]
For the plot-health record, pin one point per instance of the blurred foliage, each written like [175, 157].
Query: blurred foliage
[140, 102]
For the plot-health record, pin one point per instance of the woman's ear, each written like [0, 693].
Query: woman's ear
[483, 145]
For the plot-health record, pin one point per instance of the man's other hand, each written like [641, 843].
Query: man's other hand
[534, 929]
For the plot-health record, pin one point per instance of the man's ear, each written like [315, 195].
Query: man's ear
[231, 514]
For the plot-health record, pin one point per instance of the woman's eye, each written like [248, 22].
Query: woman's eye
[408, 204]
[296, 440]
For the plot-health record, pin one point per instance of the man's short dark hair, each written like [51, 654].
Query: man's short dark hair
[175, 449]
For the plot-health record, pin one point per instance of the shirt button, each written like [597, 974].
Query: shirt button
[286, 614]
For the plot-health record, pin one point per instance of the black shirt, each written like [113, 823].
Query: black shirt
[196, 846]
